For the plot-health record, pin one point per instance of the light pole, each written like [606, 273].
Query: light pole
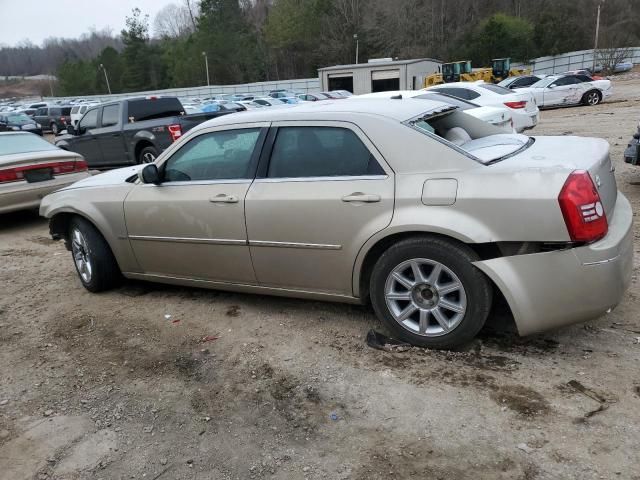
[106, 77]
[206, 66]
[595, 46]
[355, 37]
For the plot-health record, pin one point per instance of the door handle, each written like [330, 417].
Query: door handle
[115, 134]
[223, 198]
[361, 197]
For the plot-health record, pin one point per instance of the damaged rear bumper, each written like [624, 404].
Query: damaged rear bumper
[552, 289]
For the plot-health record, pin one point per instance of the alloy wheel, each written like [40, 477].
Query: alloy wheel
[148, 157]
[425, 297]
[81, 257]
[593, 98]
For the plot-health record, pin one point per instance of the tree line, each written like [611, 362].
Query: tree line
[257, 40]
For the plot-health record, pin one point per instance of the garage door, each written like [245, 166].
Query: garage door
[385, 74]
[385, 80]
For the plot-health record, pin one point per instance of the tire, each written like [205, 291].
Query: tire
[95, 264]
[54, 128]
[147, 155]
[592, 98]
[444, 317]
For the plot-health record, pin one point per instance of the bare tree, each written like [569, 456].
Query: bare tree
[175, 21]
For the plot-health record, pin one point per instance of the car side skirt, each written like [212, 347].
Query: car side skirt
[243, 288]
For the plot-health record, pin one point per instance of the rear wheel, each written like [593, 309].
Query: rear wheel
[92, 256]
[428, 292]
[148, 155]
[54, 128]
[592, 98]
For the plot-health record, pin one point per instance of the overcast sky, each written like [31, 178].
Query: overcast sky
[36, 20]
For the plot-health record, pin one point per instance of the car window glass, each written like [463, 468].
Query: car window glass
[495, 88]
[90, 120]
[75, 110]
[110, 115]
[41, 111]
[154, 107]
[320, 152]
[54, 112]
[213, 156]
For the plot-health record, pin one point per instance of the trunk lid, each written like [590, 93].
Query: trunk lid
[571, 153]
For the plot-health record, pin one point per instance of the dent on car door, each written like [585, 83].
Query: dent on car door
[192, 225]
[321, 192]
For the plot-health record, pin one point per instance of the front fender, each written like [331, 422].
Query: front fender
[104, 209]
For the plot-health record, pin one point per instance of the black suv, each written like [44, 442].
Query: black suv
[54, 119]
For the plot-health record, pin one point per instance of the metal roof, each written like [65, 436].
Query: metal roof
[378, 64]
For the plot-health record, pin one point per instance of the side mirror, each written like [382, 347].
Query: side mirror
[636, 136]
[150, 174]
[551, 86]
[71, 130]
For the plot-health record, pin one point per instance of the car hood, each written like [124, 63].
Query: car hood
[112, 177]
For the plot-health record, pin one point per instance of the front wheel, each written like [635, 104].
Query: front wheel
[592, 98]
[54, 128]
[92, 256]
[148, 155]
[429, 294]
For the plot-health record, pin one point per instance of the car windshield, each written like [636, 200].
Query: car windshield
[448, 99]
[19, 118]
[23, 143]
[545, 82]
[495, 88]
[275, 101]
[480, 140]
[507, 81]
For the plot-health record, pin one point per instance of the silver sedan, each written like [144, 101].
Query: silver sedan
[31, 167]
[426, 212]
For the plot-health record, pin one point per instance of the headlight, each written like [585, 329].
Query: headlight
[38, 125]
[15, 128]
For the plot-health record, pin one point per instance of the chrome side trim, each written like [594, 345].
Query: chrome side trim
[316, 246]
[321, 179]
[245, 288]
[201, 182]
[210, 241]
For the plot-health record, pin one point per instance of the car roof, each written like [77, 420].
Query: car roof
[397, 109]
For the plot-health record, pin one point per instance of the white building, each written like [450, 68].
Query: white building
[378, 75]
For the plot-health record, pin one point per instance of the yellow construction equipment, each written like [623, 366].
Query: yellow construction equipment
[462, 71]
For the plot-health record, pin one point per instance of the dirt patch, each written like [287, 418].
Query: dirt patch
[233, 311]
[523, 400]
[43, 240]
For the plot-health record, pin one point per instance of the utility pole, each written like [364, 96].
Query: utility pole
[355, 37]
[595, 46]
[206, 66]
[106, 77]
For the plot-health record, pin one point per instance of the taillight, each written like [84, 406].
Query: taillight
[582, 209]
[16, 174]
[521, 104]
[175, 131]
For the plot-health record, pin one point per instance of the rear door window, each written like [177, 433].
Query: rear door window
[320, 152]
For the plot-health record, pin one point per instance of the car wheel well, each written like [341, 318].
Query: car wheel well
[584, 97]
[60, 223]
[142, 144]
[484, 251]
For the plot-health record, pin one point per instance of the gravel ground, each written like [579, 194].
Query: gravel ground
[133, 384]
